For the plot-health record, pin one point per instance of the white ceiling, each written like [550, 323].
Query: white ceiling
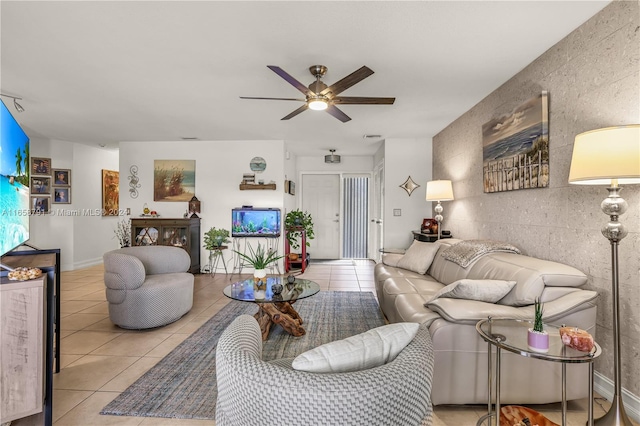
[105, 72]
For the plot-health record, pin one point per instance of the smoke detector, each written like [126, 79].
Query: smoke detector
[332, 158]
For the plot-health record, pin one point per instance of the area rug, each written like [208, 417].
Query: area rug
[183, 384]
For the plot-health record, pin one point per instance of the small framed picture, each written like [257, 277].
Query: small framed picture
[41, 166]
[40, 185]
[40, 205]
[62, 195]
[61, 177]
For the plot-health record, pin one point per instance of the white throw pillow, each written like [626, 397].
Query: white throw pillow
[419, 256]
[482, 290]
[365, 350]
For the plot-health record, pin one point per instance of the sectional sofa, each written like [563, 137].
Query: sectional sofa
[406, 285]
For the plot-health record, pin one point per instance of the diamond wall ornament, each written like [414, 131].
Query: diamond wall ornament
[409, 185]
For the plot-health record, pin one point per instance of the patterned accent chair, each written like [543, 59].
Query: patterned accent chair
[255, 392]
[147, 286]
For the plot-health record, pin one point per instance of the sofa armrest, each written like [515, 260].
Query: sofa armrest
[123, 271]
[471, 311]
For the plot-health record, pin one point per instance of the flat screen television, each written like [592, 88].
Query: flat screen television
[255, 222]
[14, 182]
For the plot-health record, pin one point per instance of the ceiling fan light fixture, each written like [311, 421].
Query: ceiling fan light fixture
[317, 104]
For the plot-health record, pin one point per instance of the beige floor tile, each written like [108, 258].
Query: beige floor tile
[68, 295]
[344, 283]
[105, 325]
[65, 400]
[66, 359]
[79, 321]
[332, 288]
[87, 413]
[100, 308]
[126, 378]
[132, 344]
[84, 342]
[75, 306]
[91, 372]
[95, 295]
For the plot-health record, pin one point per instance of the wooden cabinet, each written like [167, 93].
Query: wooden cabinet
[22, 353]
[183, 233]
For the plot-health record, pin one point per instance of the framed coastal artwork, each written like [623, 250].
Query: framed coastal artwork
[515, 148]
[174, 180]
[110, 193]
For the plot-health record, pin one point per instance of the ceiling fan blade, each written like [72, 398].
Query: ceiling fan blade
[296, 112]
[356, 100]
[273, 99]
[342, 85]
[292, 81]
[334, 111]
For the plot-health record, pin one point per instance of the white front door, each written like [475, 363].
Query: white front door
[321, 198]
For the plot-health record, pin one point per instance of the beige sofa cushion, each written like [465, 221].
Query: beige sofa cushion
[418, 257]
[481, 290]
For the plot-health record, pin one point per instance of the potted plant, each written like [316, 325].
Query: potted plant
[537, 337]
[259, 258]
[215, 238]
[123, 232]
[294, 223]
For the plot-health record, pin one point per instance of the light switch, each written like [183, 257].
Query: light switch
[397, 212]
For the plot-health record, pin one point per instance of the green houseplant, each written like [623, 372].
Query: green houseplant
[259, 258]
[537, 337]
[215, 238]
[296, 221]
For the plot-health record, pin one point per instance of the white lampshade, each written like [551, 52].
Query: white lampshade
[439, 190]
[605, 154]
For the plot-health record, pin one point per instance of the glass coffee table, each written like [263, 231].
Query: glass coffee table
[511, 335]
[275, 308]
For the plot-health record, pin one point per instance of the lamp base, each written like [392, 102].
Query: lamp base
[616, 415]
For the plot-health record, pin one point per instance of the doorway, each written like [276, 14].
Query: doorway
[339, 205]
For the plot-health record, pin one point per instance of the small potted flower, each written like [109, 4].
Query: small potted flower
[537, 337]
[215, 238]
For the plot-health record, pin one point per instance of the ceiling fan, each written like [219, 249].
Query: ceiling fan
[319, 96]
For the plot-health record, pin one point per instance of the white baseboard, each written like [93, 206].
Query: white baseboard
[604, 386]
[80, 265]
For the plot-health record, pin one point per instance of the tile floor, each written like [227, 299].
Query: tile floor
[100, 360]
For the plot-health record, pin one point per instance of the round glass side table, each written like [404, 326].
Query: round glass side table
[511, 335]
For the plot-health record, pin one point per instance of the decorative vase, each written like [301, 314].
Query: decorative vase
[538, 341]
[277, 288]
[293, 257]
[260, 280]
[218, 241]
[291, 279]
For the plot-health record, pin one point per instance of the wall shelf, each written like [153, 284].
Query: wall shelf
[249, 186]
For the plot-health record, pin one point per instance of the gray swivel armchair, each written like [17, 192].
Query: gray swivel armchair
[147, 286]
[255, 392]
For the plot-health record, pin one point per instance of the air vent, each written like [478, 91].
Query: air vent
[332, 158]
[189, 138]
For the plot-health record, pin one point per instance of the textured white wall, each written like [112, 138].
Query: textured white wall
[593, 81]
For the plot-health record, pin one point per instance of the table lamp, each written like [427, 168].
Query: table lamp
[610, 156]
[439, 190]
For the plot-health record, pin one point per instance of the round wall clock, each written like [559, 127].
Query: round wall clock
[258, 164]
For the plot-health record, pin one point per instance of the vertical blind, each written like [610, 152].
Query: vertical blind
[356, 218]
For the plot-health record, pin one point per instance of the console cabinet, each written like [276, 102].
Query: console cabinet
[22, 353]
[183, 233]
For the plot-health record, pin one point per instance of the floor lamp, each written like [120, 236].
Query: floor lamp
[610, 156]
[439, 190]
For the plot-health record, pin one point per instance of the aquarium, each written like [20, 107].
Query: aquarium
[255, 222]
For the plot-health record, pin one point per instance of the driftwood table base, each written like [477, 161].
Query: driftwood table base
[279, 313]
